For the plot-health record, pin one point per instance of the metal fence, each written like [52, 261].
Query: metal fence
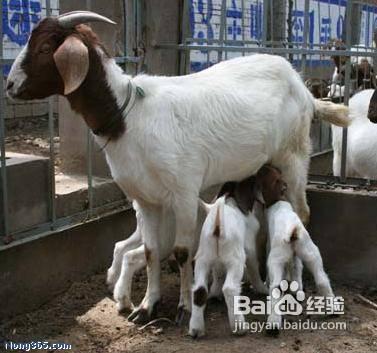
[20, 18]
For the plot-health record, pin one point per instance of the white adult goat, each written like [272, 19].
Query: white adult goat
[361, 140]
[186, 134]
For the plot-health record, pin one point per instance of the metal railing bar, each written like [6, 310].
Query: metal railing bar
[4, 184]
[68, 222]
[124, 8]
[305, 37]
[51, 162]
[139, 37]
[51, 166]
[184, 56]
[89, 153]
[265, 22]
[89, 156]
[222, 29]
[322, 152]
[343, 164]
[243, 22]
[356, 183]
[368, 51]
[307, 51]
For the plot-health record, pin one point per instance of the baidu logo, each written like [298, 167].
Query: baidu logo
[289, 299]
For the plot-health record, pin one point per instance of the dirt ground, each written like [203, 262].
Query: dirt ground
[31, 136]
[85, 316]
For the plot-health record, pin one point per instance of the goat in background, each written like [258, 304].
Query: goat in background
[361, 140]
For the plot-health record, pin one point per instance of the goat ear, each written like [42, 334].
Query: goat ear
[244, 194]
[72, 61]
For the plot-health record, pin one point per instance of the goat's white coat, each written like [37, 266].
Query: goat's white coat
[361, 140]
[228, 253]
[290, 243]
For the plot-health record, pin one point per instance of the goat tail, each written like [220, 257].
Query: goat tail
[215, 216]
[336, 114]
[218, 231]
[292, 235]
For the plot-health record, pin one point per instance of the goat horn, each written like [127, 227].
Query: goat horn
[74, 18]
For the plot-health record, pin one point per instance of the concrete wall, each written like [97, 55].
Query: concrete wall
[321, 164]
[344, 225]
[34, 272]
[27, 177]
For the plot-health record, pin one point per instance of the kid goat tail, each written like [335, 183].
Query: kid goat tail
[216, 217]
[218, 220]
[205, 206]
[336, 114]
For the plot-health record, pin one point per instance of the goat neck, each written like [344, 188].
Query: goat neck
[102, 94]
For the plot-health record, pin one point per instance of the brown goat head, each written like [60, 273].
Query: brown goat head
[64, 56]
[271, 182]
[56, 57]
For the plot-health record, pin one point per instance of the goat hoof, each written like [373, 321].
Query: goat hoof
[196, 333]
[122, 309]
[182, 316]
[123, 304]
[142, 315]
[110, 288]
[272, 332]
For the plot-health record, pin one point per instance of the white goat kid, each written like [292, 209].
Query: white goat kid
[290, 243]
[361, 140]
[227, 244]
[187, 133]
